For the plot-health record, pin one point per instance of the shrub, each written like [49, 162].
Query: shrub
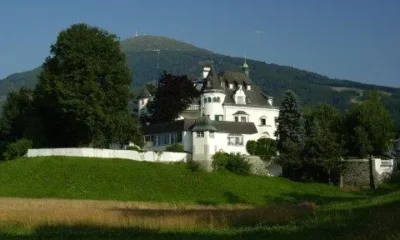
[220, 160]
[17, 149]
[235, 163]
[176, 147]
[251, 147]
[266, 148]
[192, 165]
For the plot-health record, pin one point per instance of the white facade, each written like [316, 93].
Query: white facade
[255, 115]
[225, 98]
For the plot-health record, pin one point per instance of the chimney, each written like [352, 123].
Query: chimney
[270, 100]
[206, 71]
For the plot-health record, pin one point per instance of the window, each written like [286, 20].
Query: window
[243, 119]
[209, 99]
[211, 135]
[200, 134]
[240, 100]
[179, 137]
[205, 100]
[214, 99]
[236, 119]
[164, 139]
[174, 137]
[235, 140]
[218, 99]
[154, 140]
[263, 121]
[218, 117]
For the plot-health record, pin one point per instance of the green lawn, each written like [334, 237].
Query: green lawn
[339, 215]
[116, 179]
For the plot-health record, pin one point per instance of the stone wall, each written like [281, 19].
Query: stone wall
[358, 172]
[149, 156]
[259, 167]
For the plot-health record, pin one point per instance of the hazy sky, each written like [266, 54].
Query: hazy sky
[356, 40]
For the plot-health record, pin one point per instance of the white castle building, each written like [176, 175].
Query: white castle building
[229, 112]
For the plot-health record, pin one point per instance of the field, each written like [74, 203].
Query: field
[126, 199]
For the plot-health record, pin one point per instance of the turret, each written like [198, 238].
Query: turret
[212, 97]
[204, 141]
[143, 99]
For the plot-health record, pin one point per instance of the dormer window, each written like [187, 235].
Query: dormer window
[240, 100]
[241, 116]
[230, 85]
[208, 83]
[248, 87]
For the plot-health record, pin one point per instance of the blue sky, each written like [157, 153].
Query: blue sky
[357, 40]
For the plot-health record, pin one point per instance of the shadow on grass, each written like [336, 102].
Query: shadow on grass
[294, 197]
[221, 217]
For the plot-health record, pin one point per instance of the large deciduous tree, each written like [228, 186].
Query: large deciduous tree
[173, 94]
[368, 128]
[322, 151]
[16, 116]
[84, 83]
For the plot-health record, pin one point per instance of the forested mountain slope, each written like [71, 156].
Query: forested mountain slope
[148, 56]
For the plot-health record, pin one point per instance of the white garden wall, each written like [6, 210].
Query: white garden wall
[110, 153]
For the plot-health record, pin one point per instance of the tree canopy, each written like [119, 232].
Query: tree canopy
[16, 116]
[368, 128]
[173, 95]
[84, 83]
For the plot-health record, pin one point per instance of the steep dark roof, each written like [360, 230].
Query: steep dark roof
[234, 77]
[172, 126]
[240, 113]
[203, 124]
[144, 93]
[254, 97]
[212, 82]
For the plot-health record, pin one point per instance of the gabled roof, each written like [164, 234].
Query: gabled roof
[240, 113]
[234, 77]
[254, 97]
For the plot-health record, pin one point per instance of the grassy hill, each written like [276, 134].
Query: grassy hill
[116, 179]
[231, 206]
[146, 64]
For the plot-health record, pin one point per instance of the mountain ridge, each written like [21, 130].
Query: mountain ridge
[147, 56]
